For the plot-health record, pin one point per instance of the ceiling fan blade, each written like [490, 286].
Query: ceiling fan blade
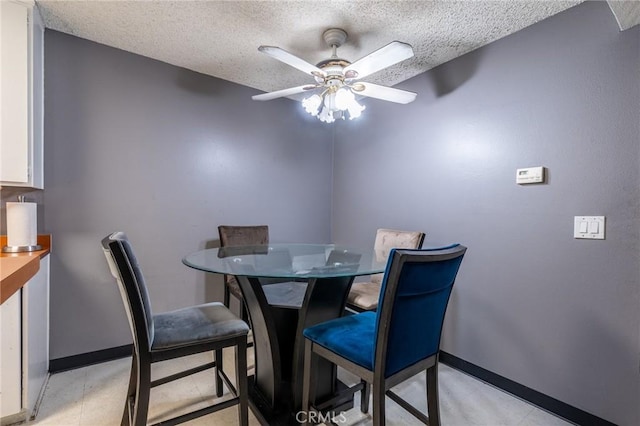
[290, 59]
[282, 93]
[391, 54]
[385, 93]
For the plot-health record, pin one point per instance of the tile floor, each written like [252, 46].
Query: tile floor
[94, 396]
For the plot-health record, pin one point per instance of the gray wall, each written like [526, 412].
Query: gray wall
[553, 313]
[166, 155]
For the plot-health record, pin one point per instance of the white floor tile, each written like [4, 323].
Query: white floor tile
[94, 396]
[538, 417]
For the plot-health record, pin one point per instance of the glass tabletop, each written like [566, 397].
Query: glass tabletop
[289, 261]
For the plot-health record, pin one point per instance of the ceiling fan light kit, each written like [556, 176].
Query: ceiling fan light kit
[336, 80]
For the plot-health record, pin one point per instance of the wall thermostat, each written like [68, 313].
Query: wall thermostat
[530, 175]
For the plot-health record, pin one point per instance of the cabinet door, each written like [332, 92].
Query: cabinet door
[35, 336]
[21, 94]
[14, 83]
[11, 357]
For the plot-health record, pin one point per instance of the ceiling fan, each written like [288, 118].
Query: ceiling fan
[337, 81]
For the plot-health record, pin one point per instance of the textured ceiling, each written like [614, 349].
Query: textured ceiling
[221, 38]
[627, 13]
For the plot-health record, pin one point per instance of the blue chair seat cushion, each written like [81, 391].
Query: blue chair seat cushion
[351, 337]
[194, 325]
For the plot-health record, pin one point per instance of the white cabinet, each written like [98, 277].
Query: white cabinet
[11, 358]
[21, 95]
[24, 354]
[35, 337]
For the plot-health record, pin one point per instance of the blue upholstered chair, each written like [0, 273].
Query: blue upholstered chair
[169, 335]
[398, 341]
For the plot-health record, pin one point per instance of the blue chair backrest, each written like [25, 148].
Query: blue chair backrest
[413, 300]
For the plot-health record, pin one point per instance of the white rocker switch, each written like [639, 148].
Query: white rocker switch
[584, 227]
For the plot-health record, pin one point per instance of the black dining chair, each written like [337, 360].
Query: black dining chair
[399, 340]
[233, 236]
[279, 292]
[174, 334]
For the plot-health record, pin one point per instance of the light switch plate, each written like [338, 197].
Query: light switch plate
[589, 227]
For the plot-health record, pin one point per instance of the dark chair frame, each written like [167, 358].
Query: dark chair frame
[374, 380]
[140, 383]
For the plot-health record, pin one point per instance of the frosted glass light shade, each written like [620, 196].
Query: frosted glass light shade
[333, 104]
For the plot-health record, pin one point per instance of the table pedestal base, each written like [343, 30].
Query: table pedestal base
[286, 416]
[276, 390]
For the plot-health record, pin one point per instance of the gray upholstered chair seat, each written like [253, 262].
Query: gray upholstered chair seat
[289, 294]
[197, 325]
[365, 295]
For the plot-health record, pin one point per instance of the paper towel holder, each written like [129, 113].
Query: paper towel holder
[20, 249]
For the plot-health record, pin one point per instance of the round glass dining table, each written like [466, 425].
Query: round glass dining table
[287, 288]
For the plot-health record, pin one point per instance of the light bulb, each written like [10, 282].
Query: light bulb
[312, 104]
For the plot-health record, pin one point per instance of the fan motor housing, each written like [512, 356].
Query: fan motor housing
[333, 62]
[333, 69]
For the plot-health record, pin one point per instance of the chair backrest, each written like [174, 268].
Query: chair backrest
[243, 236]
[387, 239]
[413, 300]
[125, 269]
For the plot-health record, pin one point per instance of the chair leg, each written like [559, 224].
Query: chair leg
[219, 366]
[378, 402]
[244, 314]
[143, 390]
[131, 393]
[364, 396]
[306, 381]
[433, 400]
[227, 294]
[241, 382]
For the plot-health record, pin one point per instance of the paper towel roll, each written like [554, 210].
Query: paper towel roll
[22, 224]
